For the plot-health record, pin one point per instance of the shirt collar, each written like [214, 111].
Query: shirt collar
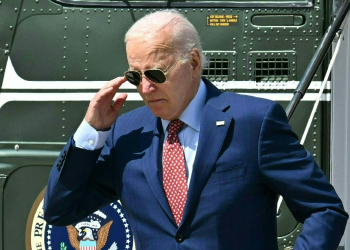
[191, 116]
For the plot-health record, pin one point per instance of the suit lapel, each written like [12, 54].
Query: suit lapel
[153, 165]
[211, 138]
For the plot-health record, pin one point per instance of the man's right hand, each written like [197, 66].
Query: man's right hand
[101, 114]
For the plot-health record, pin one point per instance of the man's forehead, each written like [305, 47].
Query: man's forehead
[154, 52]
[152, 49]
[160, 40]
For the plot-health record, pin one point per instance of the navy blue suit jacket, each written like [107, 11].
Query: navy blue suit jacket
[238, 171]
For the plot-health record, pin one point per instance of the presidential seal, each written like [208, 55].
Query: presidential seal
[105, 229]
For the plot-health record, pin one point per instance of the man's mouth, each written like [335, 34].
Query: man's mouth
[155, 100]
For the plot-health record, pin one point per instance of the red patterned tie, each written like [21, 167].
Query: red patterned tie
[174, 172]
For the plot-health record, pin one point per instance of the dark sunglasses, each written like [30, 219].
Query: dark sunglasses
[154, 75]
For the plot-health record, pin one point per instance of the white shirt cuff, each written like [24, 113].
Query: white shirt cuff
[86, 137]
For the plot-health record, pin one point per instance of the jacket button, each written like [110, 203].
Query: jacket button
[179, 238]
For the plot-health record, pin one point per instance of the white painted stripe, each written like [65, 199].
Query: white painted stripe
[8, 97]
[14, 81]
[315, 85]
[289, 96]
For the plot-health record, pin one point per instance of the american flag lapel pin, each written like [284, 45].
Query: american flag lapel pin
[220, 123]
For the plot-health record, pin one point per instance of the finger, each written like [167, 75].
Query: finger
[115, 83]
[106, 94]
[119, 101]
[111, 88]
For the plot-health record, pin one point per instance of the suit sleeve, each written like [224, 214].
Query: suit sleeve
[292, 172]
[79, 184]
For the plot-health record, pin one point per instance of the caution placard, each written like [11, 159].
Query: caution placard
[222, 20]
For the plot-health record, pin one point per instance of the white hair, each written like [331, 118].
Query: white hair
[184, 35]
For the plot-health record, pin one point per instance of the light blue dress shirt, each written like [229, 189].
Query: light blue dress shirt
[88, 138]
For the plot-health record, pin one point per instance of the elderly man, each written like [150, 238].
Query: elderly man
[195, 168]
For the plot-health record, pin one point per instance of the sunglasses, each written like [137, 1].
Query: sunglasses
[154, 75]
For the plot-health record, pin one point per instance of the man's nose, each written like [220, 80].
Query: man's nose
[147, 85]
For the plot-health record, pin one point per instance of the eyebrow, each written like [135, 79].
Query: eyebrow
[161, 67]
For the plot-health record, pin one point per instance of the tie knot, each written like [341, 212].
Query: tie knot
[175, 126]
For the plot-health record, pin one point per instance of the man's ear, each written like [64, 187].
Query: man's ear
[195, 61]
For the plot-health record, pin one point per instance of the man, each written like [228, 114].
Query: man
[238, 154]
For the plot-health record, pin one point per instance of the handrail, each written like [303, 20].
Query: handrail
[317, 58]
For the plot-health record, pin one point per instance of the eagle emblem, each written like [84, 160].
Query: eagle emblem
[90, 235]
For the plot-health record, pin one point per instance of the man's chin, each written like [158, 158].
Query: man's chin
[161, 114]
